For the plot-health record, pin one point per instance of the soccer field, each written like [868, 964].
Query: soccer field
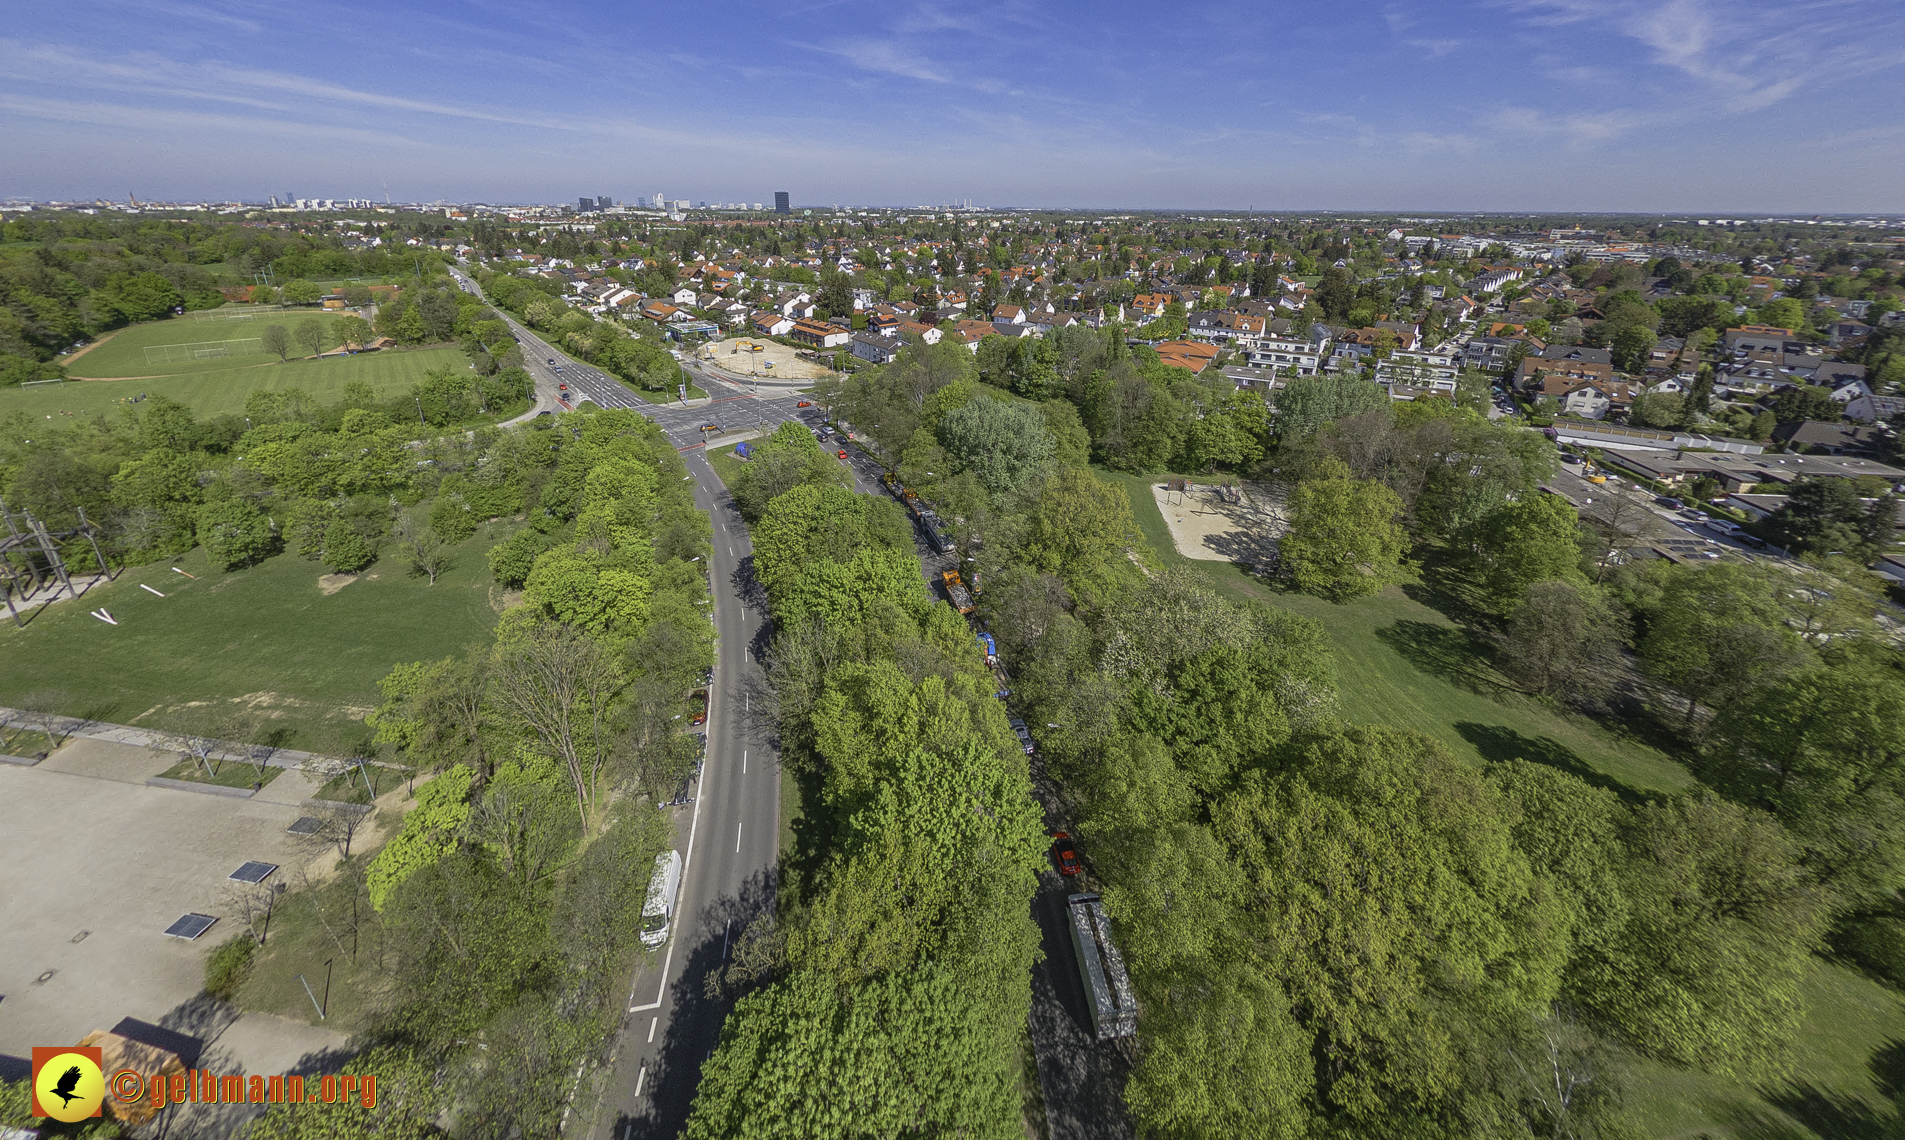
[194, 341]
[211, 393]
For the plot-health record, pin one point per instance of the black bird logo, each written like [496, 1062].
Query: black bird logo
[69, 1080]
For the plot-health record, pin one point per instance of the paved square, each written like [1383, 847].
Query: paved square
[98, 865]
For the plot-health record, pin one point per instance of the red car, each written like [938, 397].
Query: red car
[1064, 853]
[805, 404]
[841, 454]
[700, 698]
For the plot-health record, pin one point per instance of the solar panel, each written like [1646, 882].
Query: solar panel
[306, 825]
[190, 926]
[254, 872]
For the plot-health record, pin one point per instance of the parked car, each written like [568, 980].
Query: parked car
[1023, 733]
[1753, 541]
[1671, 504]
[1722, 526]
[700, 699]
[1065, 854]
[1695, 515]
[805, 404]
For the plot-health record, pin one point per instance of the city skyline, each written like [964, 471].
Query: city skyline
[1499, 106]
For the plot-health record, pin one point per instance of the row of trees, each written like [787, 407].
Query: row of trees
[329, 482]
[498, 925]
[892, 995]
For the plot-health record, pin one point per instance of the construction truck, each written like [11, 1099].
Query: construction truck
[956, 592]
[1108, 994]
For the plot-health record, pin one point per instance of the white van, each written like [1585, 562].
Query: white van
[663, 889]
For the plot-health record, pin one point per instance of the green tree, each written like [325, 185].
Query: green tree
[300, 292]
[313, 334]
[1716, 634]
[1722, 925]
[234, 533]
[1562, 640]
[275, 339]
[1631, 347]
[345, 550]
[1345, 539]
[1525, 542]
[1080, 529]
[1307, 403]
[351, 331]
[1827, 515]
[1005, 444]
[1406, 920]
[1824, 751]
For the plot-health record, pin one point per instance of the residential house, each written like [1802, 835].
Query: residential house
[685, 295]
[661, 312]
[1280, 348]
[924, 333]
[1587, 399]
[875, 348]
[970, 333]
[1571, 362]
[1488, 353]
[820, 335]
[1008, 315]
[1189, 354]
[883, 324]
[772, 324]
[1219, 326]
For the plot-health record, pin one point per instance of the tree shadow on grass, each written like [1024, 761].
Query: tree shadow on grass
[1827, 1114]
[1498, 744]
[1453, 653]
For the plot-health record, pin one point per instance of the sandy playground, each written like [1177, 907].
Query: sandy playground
[1206, 525]
[733, 356]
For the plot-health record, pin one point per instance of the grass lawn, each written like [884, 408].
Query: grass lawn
[1848, 1063]
[724, 463]
[266, 634]
[123, 353]
[225, 773]
[1401, 663]
[224, 390]
[28, 743]
[348, 786]
[298, 943]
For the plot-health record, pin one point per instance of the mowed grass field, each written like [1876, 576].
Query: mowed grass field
[123, 353]
[1403, 664]
[267, 635]
[1400, 663]
[222, 390]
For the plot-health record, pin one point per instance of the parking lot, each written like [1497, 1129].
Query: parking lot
[98, 866]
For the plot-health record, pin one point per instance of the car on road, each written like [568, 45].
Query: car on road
[1754, 541]
[1065, 854]
[1670, 503]
[841, 454]
[552, 360]
[1570, 457]
[1695, 515]
[710, 427]
[700, 701]
[1723, 526]
[805, 404]
[1023, 733]
[664, 889]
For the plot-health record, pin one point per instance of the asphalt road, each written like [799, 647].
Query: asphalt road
[730, 847]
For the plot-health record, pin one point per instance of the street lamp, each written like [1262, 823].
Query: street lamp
[419, 401]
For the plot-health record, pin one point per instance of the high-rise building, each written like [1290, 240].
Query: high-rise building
[602, 203]
[780, 202]
[586, 204]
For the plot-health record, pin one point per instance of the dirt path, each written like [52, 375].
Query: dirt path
[174, 376]
[95, 344]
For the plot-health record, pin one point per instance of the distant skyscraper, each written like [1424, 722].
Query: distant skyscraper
[602, 203]
[780, 202]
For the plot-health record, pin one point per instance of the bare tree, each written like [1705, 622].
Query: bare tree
[420, 544]
[251, 904]
[558, 683]
[276, 340]
[41, 709]
[200, 735]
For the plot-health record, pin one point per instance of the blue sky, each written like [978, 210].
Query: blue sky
[1647, 105]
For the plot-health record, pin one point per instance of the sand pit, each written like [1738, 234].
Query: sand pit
[1205, 526]
[733, 356]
